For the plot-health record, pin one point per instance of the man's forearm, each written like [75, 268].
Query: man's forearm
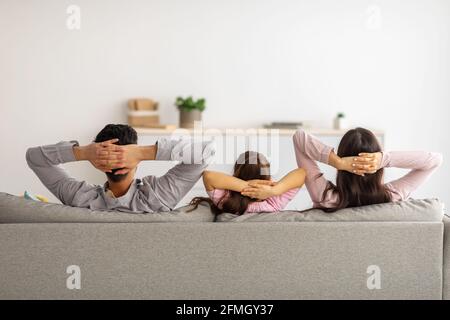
[50, 155]
[45, 160]
[147, 152]
[79, 153]
[186, 151]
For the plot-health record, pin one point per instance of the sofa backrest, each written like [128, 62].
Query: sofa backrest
[15, 209]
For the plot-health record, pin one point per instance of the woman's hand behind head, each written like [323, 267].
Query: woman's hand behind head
[367, 163]
[362, 164]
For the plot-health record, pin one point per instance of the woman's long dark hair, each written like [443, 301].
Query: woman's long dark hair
[353, 190]
[250, 165]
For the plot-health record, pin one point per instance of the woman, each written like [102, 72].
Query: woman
[360, 163]
[232, 193]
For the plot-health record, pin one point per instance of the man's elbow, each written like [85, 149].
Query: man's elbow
[30, 155]
[209, 151]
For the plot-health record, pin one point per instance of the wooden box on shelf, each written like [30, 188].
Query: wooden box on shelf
[143, 113]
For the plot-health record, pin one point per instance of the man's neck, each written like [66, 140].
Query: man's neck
[120, 188]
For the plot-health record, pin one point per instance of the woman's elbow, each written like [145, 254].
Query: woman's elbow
[299, 138]
[438, 159]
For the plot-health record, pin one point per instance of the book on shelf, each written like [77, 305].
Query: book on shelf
[285, 125]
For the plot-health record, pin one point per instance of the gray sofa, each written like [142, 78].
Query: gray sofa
[388, 251]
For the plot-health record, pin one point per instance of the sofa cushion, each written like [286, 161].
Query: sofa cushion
[410, 210]
[15, 209]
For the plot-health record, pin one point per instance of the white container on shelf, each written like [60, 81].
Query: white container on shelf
[340, 123]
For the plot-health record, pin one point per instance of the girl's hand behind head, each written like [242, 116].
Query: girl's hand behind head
[259, 191]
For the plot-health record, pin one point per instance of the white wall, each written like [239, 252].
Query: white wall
[255, 61]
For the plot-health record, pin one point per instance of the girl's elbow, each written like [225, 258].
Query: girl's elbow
[302, 172]
[206, 175]
[208, 178]
[302, 176]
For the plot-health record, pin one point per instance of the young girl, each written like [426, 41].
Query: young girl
[360, 164]
[237, 193]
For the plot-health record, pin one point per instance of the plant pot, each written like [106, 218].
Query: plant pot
[187, 118]
[340, 123]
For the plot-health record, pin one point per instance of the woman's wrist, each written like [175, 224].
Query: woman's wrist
[335, 161]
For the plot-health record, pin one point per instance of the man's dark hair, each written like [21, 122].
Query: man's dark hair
[125, 134]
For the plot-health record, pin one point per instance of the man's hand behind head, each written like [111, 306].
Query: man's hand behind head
[120, 160]
[131, 156]
[105, 156]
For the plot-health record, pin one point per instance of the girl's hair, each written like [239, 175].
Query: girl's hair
[354, 190]
[250, 165]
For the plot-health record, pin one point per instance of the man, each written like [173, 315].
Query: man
[115, 152]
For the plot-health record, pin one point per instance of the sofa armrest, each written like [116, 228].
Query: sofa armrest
[446, 268]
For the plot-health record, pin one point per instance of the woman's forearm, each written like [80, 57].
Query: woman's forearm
[421, 163]
[308, 147]
[308, 150]
[416, 160]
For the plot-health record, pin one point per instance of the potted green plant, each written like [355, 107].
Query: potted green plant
[190, 110]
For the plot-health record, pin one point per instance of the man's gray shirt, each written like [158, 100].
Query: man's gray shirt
[149, 194]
